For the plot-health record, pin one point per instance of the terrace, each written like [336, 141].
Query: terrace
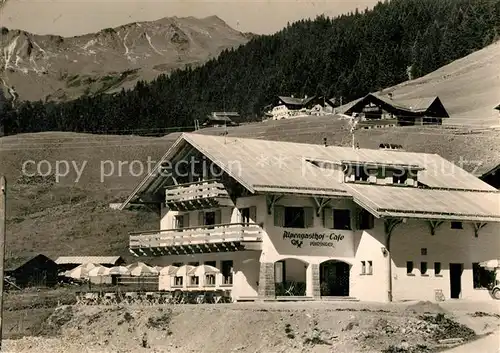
[195, 240]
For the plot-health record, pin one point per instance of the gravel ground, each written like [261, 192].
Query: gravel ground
[261, 328]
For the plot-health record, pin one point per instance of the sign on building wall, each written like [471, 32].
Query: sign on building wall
[313, 242]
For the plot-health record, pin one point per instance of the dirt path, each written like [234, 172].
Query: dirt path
[260, 328]
[488, 344]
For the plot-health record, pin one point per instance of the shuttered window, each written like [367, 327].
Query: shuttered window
[248, 215]
[337, 219]
[279, 216]
[308, 217]
[185, 220]
[218, 217]
[328, 218]
[253, 214]
[201, 218]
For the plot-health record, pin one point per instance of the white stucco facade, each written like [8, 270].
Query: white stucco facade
[409, 239]
[314, 221]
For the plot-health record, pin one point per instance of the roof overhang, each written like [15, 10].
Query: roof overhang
[378, 211]
[155, 179]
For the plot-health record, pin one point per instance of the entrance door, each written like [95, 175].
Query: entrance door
[335, 278]
[456, 280]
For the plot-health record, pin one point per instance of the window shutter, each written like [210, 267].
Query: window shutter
[359, 219]
[201, 218]
[185, 220]
[328, 218]
[253, 214]
[308, 217]
[279, 216]
[218, 217]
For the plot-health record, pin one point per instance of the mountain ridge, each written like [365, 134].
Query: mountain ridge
[52, 67]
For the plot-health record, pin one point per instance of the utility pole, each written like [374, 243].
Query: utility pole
[3, 210]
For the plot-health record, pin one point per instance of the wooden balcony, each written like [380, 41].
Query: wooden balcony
[195, 240]
[197, 195]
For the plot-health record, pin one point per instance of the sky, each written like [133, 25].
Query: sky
[75, 17]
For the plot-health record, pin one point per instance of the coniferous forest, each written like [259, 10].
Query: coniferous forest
[347, 57]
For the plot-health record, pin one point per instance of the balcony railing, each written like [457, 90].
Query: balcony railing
[196, 195]
[221, 237]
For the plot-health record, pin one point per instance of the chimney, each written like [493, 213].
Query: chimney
[325, 142]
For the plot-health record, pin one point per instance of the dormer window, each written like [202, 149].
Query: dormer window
[399, 177]
[361, 174]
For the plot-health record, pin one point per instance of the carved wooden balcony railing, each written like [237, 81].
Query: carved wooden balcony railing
[197, 195]
[192, 240]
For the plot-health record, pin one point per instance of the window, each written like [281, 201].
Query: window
[245, 215]
[177, 264]
[195, 281]
[181, 221]
[210, 280]
[248, 215]
[423, 268]
[294, 217]
[363, 267]
[365, 220]
[482, 278]
[211, 263]
[423, 251]
[370, 268]
[360, 174]
[210, 218]
[342, 219]
[194, 263]
[457, 225]
[437, 268]
[409, 267]
[178, 281]
[227, 272]
[399, 177]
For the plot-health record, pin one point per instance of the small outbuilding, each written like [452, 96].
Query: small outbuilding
[66, 263]
[216, 119]
[39, 271]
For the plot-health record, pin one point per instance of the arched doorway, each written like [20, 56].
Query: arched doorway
[290, 277]
[334, 278]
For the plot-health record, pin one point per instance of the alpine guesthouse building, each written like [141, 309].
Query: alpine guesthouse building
[312, 221]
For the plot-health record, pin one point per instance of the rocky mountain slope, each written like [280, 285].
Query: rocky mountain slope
[51, 67]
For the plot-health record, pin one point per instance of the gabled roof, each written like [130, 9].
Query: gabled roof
[225, 114]
[283, 167]
[296, 101]
[78, 260]
[411, 106]
[219, 118]
[16, 263]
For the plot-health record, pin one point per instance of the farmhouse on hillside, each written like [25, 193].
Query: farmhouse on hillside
[293, 103]
[310, 221]
[422, 111]
[39, 271]
[221, 119]
[66, 263]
